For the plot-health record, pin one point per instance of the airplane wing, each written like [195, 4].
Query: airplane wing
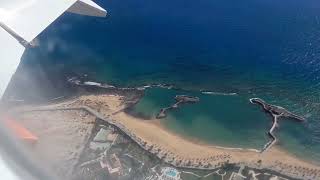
[87, 7]
[22, 20]
[11, 52]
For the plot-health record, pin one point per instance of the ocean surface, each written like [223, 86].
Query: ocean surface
[255, 48]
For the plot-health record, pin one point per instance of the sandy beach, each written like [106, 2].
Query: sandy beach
[183, 152]
[153, 133]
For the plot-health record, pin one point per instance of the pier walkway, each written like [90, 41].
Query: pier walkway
[276, 113]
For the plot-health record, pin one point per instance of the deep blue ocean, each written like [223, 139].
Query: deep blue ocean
[256, 48]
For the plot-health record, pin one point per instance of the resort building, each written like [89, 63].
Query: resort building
[113, 165]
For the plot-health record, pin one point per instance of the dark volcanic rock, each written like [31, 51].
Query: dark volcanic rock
[180, 99]
[276, 113]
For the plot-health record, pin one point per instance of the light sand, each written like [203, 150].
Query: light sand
[62, 137]
[154, 134]
[106, 104]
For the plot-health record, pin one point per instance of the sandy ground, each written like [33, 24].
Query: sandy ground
[155, 134]
[62, 136]
[67, 129]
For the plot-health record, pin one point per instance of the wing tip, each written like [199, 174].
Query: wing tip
[88, 8]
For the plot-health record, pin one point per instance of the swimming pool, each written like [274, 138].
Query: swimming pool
[171, 173]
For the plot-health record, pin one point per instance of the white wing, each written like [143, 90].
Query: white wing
[11, 52]
[87, 7]
[22, 20]
[30, 17]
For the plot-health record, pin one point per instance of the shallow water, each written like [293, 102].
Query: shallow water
[224, 120]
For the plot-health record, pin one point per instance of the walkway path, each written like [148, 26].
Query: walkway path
[276, 113]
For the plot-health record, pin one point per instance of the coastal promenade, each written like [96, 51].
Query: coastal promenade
[177, 151]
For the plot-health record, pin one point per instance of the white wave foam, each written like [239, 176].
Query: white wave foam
[218, 93]
[90, 83]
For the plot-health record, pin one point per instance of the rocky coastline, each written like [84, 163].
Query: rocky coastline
[180, 99]
[276, 112]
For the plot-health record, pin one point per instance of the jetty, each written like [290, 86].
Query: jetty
[276, 112]
[180, 99]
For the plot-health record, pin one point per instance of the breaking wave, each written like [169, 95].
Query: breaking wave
[218, 93]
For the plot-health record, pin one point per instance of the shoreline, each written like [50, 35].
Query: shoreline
[276, 159]
[183, 152]
[200, 142]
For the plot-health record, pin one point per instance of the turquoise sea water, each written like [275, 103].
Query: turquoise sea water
[256, 48]
[215, 119]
